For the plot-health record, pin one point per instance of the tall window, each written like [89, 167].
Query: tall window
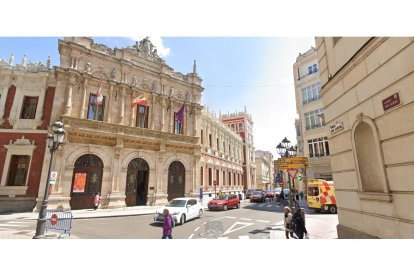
[202, 176]
[19, 165]
[142, 116]
[218, 177]
[29, 107]
[314, 119]
[96, 110]
[224, 178]
[210, 176]
[202, 137]
[241, 127]
[311, 93]
[318, 147]
[178, 126]
[209, 140]
[229, 178]
[218, 144]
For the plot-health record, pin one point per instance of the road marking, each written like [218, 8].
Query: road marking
[21, 222]
[261, 205]
[18, 225]
[196, 229]
[232, 228]
[230, 217]
[244, 237]
[245, 219]
[223, 238]
[265, 221]
[191, 236]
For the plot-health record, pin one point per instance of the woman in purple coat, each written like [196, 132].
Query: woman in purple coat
[167, 226]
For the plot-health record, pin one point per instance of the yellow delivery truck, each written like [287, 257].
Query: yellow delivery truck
[321, 195]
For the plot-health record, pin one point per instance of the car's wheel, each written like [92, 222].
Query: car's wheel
[317, 211]
[182, 219]
[200, 213]
[332, 209]
[238, 205]
[225, 207]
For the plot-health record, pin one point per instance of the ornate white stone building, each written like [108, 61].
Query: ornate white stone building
[131, 155]
[221, 156]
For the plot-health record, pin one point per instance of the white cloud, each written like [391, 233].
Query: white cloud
[162, 51]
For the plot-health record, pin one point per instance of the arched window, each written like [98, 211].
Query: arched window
[368, 157]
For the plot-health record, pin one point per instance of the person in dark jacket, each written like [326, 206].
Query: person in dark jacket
[167, 226]
[300, 228]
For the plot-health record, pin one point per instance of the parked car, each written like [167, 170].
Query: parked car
[257, 196]
[270, 194]
[224, 202]
[249, 192]
[181, 209]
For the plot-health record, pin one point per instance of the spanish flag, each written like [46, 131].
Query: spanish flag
[140, 100]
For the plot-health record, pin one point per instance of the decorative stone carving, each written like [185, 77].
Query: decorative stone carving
[22, 142]
[154, 87]
[359, 117]
[88, 67]
[24, 64]
[134, 81]
[48, 62]
[113, 74]
[11, 60]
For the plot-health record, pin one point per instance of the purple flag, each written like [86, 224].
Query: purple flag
[180, 115]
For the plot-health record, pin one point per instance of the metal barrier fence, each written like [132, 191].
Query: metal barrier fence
[59, 220]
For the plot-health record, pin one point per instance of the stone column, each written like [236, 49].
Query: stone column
[109, 104]
[83, 106]
[195, 123]
[133, 112]
[186, 122]
[3, 98]
[152, 113]
[39, 109]
[69, 94]
[115, 199]
[122, 113]
[162, 121]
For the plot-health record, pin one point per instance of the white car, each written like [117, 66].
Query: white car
[181, 209]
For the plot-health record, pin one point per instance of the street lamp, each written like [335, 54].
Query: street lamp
[53, 142]
[284, 150]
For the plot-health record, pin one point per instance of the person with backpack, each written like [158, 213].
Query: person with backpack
[167, 225]
[298, 224]
[288, 221]
[96, 201]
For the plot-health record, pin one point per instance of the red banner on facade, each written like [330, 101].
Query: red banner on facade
[80, 182]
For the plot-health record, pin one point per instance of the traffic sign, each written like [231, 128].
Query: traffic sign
[281, 184]
[292, 173]
[53, 177]
[54, 219]
[285, 166]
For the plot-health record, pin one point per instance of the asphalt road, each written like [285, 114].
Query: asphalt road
[251, 221]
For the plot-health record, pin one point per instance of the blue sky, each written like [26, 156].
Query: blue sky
[255, 72]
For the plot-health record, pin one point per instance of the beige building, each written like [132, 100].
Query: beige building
[312, 132]
[221, 157]
[367, 93]
[264, 169]
[131, 155]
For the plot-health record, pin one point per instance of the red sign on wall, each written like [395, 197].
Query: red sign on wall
[391, 101]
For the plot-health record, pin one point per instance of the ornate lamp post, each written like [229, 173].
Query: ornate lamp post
[284, 150]
[53, 142]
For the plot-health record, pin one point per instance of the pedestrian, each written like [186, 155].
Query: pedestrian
[167, 226]
[96, 201]
[301, 195]
[288, 220]
[299, 223]
[219, 194]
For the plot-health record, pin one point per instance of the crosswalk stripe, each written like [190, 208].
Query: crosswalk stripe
[270, 205]
[244, 237]
[245, 219]
[223, 238]
[265, 221]
[20, 222]
[14, 225]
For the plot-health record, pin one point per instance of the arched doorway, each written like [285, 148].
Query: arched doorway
[176, 180]
[86, 181]
[136, 190]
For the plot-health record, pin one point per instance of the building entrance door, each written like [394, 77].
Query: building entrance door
[176, 180]
[86, 181]
[136, 191]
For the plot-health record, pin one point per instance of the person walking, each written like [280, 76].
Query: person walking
[96, 201]
[299, 223]
[167, 226]
[288, 220]
[301, 195]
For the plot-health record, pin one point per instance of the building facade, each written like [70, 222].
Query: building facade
[367, 94]
[26, 96]
[131, 154]
[264, 169]
[221, 157]
[312, 131]
[242, 124]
